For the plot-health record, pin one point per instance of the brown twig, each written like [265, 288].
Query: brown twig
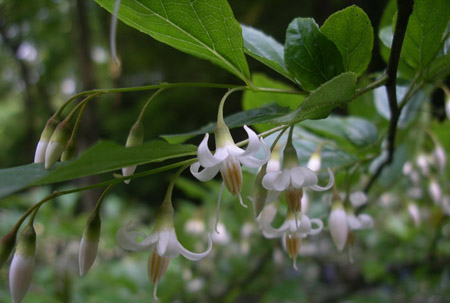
[404, 11]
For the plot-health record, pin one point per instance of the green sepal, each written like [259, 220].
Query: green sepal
[49, 128]
[27, 241]
[7, 244]
[92, 229]
[136, 135]
[62, 133]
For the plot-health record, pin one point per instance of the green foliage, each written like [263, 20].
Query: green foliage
[330, 66]
[265, 49]
[101, 158]
[202, 29]
[425, 32]
[351, 31]
[324, 99]
[309, 55]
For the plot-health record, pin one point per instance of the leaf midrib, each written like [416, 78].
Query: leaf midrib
[217, 55]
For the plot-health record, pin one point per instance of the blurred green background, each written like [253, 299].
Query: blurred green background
[51, 49]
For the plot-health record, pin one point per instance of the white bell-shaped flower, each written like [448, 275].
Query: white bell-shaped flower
[228, 159]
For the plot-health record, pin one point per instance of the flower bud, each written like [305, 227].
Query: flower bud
[89, 243]
[259, 192]
[135, 138]
[22, 265]
[337, 223]
[57, 143]
[39, 155]
[7, 244]
[69, 151]
[315, 161]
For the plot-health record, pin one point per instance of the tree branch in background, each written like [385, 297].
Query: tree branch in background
[405, 8]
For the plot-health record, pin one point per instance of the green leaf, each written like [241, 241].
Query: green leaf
[357, 131]
[350, 29]
[265, 49]
[310, 56]
[323, 100]
[205, 29]
[103, 157]
[439, 68]
[264, 114]
[425, 32]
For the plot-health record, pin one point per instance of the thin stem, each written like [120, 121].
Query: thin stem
[377, 83]
[277, 91]
[81, 104]
[278, 138]
[141, 114]
[222, 103]
[100, 200]
[168, 198]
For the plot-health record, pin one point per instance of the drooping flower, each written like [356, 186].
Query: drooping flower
[337, 222]
[162, 243]
[22, 264]
[295, 227]
[293, 179]
[228, 159]
[315, 161]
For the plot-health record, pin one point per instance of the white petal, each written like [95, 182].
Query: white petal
[269, 232]
[267, 214]
[127, 239]
[302, 176]
[39, 155]
[196, 256]
[52, 153]
[319, 223]
[337, 223]
[164, 238]
[305, 225]
[206, 174]
[253, 142]
[278, 181]
[86, 255]
[251, 161]
[326, 187]
[128, 171]
[205, 157]
[20, 275]
[353, 222]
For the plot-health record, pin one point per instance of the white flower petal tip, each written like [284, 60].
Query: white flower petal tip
[20, 275]
[196, 256]
[128, 171]
[127, 239]
[53, 152]
[337, 223]
[39, 155]
[87, 254]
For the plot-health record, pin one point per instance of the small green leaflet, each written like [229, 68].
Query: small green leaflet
[323, 100]
[310, 56]
[350, 29]
[205, 29]
[265, 49]
[103, 157]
